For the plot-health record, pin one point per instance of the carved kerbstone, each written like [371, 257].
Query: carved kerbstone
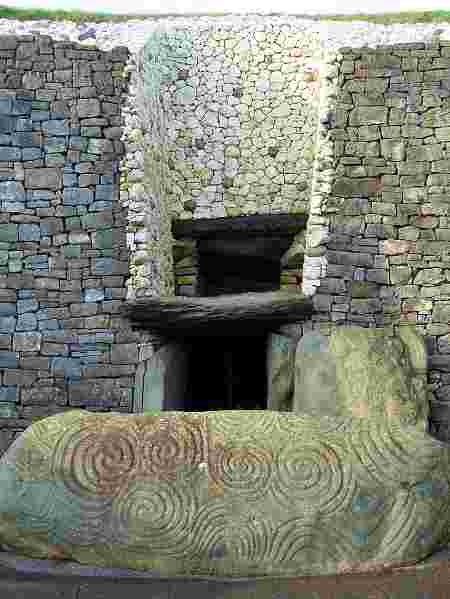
[232, 493]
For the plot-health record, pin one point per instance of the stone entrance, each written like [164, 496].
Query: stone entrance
[227, 373]
[237, 279]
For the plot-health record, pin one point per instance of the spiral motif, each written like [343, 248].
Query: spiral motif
[317, 545]
[313, 474]
[38, 441]
[388, 452]
[209, 533]
[250, 539]
[242, 424]
[242, 470]
[179, 442]
[154, 516]
[94, 461]
[400, 527]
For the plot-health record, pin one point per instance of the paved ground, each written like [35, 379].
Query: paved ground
[24, 578]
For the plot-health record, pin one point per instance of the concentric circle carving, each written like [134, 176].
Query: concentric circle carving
[313, 475]
[245, 471]
[154, 515]
[95, 461]
[242, 424]
[388, 453]
[176, 442]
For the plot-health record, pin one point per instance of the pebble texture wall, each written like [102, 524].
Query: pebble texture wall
[228, 123]
[377, 249]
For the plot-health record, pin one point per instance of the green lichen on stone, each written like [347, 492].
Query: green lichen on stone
[202, 174]
[312, 496]
[164, 54]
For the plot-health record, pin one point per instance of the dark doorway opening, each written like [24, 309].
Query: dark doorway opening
[227, 373]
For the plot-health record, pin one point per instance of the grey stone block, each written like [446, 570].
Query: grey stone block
[94, 295]
[9, 154]
[38, 204]
[70, 180]
[77, 197]
[31, 153]
[29, 232]
[43, 178]
[68, 367]
[104, 192]
[56, 127]
[38, 262]
[40, 115]
[49, 325]
[27, 305]
[78, 143]
[27, 139]
[88, 108]
[8, 232]
[12, 191]
[8, 393]
[8, 42]
[8, 410]
[101, 205]
[24, 124]
[7, 324]
[26, 322]
[7, 309]
[20, 106]
[27, 341]
[7, 124]
[8, 359]
[103, 266]
[25, 293]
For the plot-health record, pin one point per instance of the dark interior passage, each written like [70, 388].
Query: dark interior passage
[241, 265]
[227, 373]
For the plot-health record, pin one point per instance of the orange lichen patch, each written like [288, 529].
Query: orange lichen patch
[56, 552]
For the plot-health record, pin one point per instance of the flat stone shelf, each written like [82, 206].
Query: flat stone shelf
[260, 224]
[232, 314]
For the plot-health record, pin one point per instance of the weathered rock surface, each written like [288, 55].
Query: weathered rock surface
[227, 493]
[362, 372]
[280, 372]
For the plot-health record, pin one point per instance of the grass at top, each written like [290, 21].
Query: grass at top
[33, 14]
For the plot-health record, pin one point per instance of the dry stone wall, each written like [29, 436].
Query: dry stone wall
[92, 170]
[377, 249]
[228, 123]
[63, 252]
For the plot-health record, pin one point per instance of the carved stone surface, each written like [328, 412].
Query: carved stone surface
[230, 493]
[362, 372]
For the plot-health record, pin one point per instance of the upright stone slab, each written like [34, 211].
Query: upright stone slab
[362, 372]
[165, 379]
[280, 372]
[230, 493]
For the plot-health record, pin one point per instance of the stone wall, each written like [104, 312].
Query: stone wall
[377, 250]
[227, 127]
[63, 253]
[76, 241]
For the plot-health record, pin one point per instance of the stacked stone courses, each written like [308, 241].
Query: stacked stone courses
[94, 166]
[63, 256]
[378, 251]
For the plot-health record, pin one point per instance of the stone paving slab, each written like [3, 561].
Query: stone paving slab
[26, 578]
